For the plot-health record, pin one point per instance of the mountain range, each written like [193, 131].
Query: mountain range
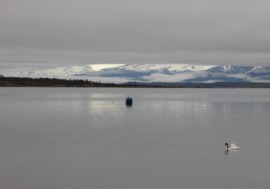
[148, 73]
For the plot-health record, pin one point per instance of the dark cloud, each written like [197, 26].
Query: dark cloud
[60, 32]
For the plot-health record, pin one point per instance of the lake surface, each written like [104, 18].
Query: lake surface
[67, 138]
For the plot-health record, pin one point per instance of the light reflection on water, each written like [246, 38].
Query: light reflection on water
[169, 138]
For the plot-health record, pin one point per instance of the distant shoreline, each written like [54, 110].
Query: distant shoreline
[53, 82]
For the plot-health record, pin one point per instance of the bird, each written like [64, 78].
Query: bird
[231, 146]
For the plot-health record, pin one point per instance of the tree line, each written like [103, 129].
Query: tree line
[53, 82]
[49, 82]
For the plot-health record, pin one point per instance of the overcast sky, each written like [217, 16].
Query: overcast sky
[49, 33]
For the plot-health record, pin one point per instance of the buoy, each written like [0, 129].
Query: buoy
[129, 101]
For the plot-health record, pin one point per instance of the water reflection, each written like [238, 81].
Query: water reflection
[87, 138]
[229, 153]
[228, 108]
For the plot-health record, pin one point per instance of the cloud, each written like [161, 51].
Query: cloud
[160, 77]
[64, 32]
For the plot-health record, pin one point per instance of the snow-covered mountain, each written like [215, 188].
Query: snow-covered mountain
[120, 73]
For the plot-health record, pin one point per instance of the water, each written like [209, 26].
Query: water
[66, 138]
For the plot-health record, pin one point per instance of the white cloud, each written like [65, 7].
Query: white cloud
[159, 77]
[98, 67]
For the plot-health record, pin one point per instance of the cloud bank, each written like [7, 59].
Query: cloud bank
[51, 33]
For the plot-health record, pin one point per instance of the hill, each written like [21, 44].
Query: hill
[152, 73]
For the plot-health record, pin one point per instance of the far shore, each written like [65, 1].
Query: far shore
[53, 82]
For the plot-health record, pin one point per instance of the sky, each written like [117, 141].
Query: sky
[54, 33]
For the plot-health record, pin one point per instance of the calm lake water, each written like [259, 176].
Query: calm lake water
[76, 138]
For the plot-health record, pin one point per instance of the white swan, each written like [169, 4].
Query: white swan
[232, 146]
